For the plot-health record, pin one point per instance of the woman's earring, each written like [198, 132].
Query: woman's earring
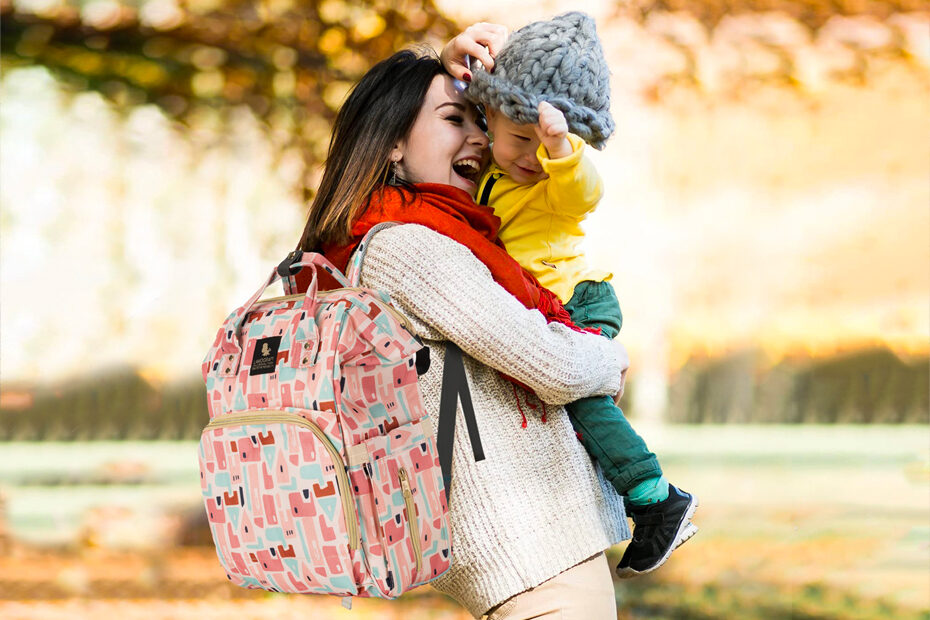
[393, 180]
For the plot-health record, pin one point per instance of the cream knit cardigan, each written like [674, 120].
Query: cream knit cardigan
[536, 505]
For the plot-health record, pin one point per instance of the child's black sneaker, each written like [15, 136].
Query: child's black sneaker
[658, 529]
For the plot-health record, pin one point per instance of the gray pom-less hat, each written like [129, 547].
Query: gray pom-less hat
[559, 61]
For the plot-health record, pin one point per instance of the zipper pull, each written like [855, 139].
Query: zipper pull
[404, 483]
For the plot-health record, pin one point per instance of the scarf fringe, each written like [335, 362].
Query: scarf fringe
[516, 397]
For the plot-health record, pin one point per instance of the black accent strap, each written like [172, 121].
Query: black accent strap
[422, 362]
[486, 192]
[284, 267]
[454, 386]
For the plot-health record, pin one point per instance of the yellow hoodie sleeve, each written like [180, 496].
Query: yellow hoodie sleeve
[574, 187]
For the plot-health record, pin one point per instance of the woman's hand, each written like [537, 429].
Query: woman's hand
[482, 41]
[624, 359]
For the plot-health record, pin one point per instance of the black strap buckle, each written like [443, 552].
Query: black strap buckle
[285, 266]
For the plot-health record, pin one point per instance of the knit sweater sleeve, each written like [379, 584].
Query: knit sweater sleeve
[443, 285]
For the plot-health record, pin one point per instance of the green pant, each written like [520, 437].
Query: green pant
[605, 431]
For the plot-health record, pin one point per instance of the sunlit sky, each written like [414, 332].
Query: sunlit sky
[793, 223]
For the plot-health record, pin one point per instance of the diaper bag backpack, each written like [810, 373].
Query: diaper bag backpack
[319, 470]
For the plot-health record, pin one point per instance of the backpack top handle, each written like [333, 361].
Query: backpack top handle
[230, 351]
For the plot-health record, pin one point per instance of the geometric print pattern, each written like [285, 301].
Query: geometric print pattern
[287, 512]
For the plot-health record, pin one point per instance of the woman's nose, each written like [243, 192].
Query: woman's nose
[478, 137]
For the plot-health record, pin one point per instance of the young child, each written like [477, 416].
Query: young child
[550, 79]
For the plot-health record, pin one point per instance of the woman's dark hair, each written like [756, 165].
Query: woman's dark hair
[379, 113]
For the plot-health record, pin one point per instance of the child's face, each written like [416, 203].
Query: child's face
[514, 148]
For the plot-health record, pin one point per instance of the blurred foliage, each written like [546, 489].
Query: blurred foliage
[291, 62]
[868, 387]
[119, 405]
[872, 386]
[651, 598]
[153, 580]
[811, 13]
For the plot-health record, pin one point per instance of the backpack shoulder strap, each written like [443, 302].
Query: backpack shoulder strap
[354, 268]
[454, 380]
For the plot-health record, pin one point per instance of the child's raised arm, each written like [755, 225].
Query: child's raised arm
[553, 131]
[482, 41]
[574, 185]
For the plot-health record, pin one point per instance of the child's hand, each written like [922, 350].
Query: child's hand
[552, 130]
[481, 41]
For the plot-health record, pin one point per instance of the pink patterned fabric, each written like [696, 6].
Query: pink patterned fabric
[317, 473]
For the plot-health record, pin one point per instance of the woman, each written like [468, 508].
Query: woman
[530, 521]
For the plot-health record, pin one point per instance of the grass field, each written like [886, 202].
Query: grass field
[796, 522]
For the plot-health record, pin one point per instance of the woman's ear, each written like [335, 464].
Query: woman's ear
[397, 168]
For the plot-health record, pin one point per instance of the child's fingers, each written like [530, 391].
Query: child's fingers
[548, 110]
[557, 129]
[551, 120]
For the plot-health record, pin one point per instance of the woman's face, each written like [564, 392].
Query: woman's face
[445, 144]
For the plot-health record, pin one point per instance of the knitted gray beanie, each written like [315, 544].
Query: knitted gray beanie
[559, 61]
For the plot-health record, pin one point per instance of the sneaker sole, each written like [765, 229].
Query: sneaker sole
[686, 530]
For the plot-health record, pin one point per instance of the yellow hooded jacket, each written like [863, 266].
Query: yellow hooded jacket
[541, 222]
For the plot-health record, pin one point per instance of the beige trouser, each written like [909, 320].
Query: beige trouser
[583, 592]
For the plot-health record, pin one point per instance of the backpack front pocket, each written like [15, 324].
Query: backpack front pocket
[402, 505]
[279, 504]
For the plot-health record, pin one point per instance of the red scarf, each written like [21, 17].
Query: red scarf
[453, 212]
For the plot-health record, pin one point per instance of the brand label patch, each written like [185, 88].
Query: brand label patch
[264, 359]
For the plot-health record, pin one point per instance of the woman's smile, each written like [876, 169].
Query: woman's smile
[445, 144]
[468, 169]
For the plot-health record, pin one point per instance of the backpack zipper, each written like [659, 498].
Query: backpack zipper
[411, 517]
[322, 294]
[342, 478]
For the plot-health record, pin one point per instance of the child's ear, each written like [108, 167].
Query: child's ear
[490, 117]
